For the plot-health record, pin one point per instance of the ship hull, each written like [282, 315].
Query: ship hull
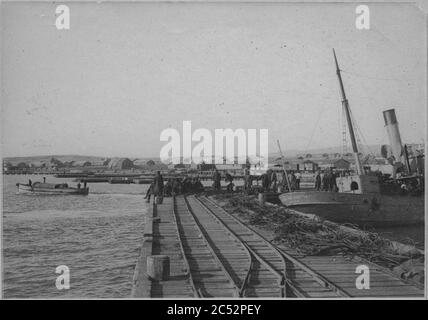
[360, 209]
[48, 191]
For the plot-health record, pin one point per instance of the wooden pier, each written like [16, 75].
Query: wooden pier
[214, 254]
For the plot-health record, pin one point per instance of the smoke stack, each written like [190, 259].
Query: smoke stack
[391, 125]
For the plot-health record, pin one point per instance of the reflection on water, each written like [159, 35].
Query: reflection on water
[97, 236]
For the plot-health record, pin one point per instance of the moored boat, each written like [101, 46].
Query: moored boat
[374, 210]
[91, 179]
[120, 180]
[51, 188]
[360, 198]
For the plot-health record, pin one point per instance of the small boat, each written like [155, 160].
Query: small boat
[91, 179]
[50, 188]
[361, 198]
[142, 180]
[121, 180]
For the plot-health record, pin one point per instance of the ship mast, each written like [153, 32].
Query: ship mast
[345, 105]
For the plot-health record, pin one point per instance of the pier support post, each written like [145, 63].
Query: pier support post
[158, 267]
[262, 198]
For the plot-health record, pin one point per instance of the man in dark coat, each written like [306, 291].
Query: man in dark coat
[266, 180]
[186, 185]
[325, 181]
[298, 176]
[176, 186]
[228, 177]
[168, 188]
[229, 181]
[157, 186]
[217, 180]
[332, 182]
[247, 180]
[273, 180]
[318, 181]
[197, 185]
[293, 181]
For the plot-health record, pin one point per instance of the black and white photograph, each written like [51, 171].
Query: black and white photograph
[192, 150]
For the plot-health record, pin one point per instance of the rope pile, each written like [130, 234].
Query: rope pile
[311, 237]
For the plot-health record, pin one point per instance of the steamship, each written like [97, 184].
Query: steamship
[361, 199]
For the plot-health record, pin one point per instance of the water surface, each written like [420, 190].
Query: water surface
[98, 237]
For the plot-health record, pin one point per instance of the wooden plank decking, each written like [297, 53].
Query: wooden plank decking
[214, 254]
[161, 237]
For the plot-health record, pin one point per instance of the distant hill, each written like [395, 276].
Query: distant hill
[287, 153]
[66, 158]
[62, 158]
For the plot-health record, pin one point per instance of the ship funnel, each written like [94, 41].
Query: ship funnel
[391, 125]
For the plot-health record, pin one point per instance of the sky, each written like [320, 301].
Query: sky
[126, 71]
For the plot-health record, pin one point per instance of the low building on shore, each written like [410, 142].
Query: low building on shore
[337, 164]
[149, 165]
[121, 164]
[309, 165]
[82, 163]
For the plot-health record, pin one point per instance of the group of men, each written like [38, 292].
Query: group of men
[228, 178]
[173, 186]
[271, 181]
[326, 181]
[84, 185]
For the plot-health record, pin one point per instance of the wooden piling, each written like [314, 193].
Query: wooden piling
[158, 267]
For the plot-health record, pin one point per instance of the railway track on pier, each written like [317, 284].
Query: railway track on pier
[219, 263]
[225, 258]
[300, 280]
[215, 254]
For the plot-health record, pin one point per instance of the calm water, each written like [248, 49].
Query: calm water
[414, 235]
[97, 236]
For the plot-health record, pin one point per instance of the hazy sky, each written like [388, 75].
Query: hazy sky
[126, 71]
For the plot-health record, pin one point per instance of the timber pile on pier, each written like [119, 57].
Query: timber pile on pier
[213, 253]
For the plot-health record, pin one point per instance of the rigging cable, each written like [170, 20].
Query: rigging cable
[315, 127]
[360, 133]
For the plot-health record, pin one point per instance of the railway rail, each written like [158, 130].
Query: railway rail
[215, 254]
[300, 280]
[220, 264]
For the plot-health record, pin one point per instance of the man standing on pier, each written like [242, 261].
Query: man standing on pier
[229, 180]
[217, 180]
[157, 187]
[176, 186]
[247, 179]
[298, 176]
[273, 180]
[318, 181]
